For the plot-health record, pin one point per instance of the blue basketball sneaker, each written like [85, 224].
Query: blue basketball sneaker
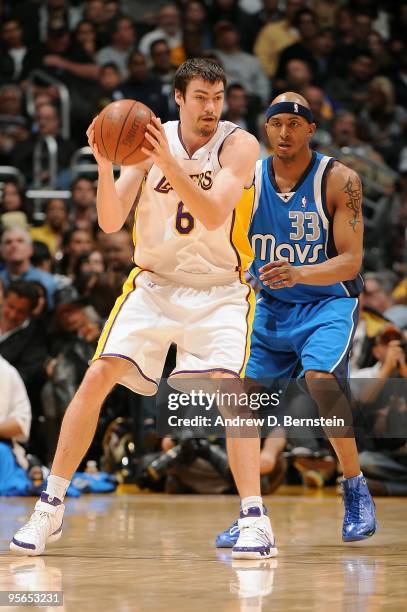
[229, 537]
[359, 521]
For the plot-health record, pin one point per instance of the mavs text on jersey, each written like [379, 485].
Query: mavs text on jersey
[308, 324]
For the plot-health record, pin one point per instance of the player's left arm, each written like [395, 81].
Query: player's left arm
[212, 207]
[344, 198]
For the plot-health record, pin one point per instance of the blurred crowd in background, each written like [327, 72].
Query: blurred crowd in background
[61, 63]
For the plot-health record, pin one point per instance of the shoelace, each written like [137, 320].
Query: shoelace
[353, 506]
[246, 533]
[38, 519]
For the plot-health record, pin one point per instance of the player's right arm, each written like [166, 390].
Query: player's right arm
[114, 200]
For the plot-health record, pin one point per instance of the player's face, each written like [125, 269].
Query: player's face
[289, 135]
[201, 108]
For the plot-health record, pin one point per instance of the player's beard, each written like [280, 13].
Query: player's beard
[209, 130]
[205, 132]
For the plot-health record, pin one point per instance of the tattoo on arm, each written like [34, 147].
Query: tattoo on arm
[353, 190]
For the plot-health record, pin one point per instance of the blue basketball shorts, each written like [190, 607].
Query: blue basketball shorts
[316, 335]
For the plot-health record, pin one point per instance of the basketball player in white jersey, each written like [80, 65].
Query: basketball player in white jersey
[187, 287]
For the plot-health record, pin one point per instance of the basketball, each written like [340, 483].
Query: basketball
[119, 131]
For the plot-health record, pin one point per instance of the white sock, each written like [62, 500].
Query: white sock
[251, 502]
[358, 476]
[57, 486]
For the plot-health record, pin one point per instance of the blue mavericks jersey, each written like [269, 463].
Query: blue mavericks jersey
[296, 226]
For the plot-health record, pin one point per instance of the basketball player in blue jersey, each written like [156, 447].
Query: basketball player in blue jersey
[307, 237]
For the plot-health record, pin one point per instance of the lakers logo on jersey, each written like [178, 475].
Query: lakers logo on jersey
[204, 180]
[168, 239]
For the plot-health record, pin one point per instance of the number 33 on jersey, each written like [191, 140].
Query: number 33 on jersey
[297, 227]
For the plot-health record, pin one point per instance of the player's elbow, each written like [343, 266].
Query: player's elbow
[212, 225]
[353, 268]
[216, 218]
[108, 227]
[213, 222]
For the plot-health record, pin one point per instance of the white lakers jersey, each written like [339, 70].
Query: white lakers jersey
[169, 241]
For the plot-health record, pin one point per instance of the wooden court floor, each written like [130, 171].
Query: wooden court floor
[130, 553]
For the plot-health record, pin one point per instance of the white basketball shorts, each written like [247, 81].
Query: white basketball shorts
[210, 326]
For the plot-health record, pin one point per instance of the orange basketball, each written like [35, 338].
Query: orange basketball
[120, 129]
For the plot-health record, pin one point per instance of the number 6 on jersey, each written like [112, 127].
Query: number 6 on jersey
[184, 222]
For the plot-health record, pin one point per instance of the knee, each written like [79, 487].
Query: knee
[322, 385]
[102, 374]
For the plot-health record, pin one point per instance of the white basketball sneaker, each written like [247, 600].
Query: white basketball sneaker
[44, 526]
[256, 539]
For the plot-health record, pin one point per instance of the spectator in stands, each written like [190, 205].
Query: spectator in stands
[169, 28]
[383, 122]
[109, 80]
[90, 263]
[323, 54]
[195, 15]
[240, 67]
[15, 422]
[52, 231]
[12, 51]
[41, 258]
[94, 11]
[117, 250]
[13, 123]
[22, 341]
[163, 70]
[48, 122]
[74, 333]
[101, 14]
[85, 36]
[161, 66]
[274, 37]
[193, 41]
[236, 105]
[352, 91]
[249, 24]
[397, 215]
[11, 101]
[105, 290]
[325, 11]
[224, 10]
[12, 197]
[83, 204]
[76, 242]
[57, 11]
[297, 77]
[379, 52]
[16, 250]
[123, 40]
[384, 404]
[305, 22]
[63, 60]
[377, 294]
[344, 134]
[322, 113]
[142, 87]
